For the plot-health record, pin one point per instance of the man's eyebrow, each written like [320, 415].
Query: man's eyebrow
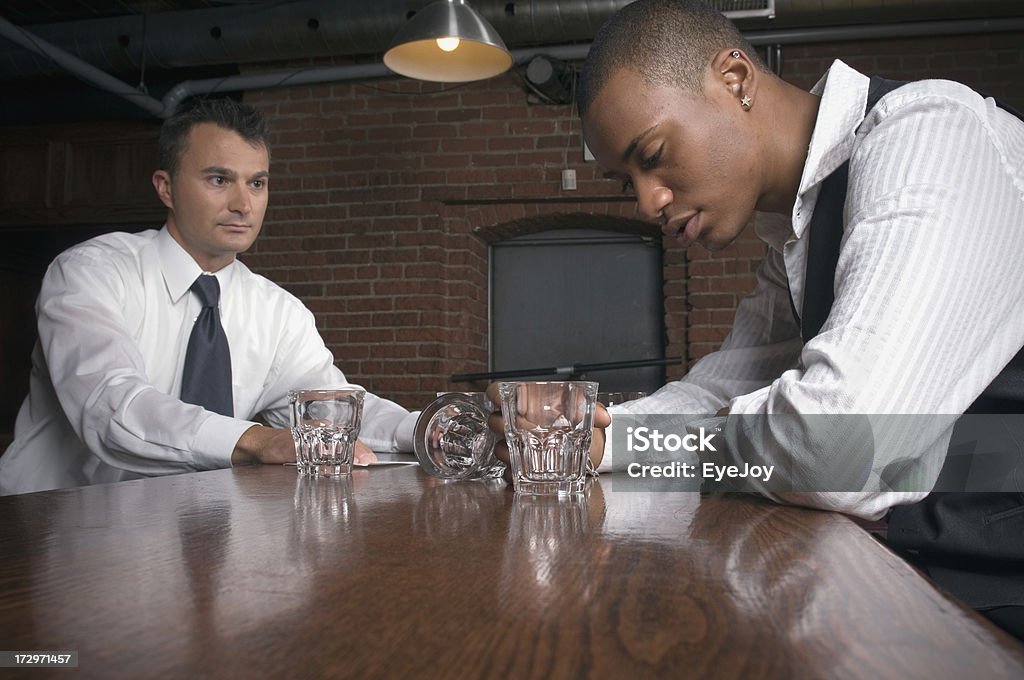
[636, 142]
[218, 170]
[262, 174]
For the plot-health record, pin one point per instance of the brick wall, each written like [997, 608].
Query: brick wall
[385, 195]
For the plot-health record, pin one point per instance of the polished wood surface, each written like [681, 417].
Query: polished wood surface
[255, 572]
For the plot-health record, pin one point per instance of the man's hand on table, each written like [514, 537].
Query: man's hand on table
[496, 423]
[364, 455]
[274, 446]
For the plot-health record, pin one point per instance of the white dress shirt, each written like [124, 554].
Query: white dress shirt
[929, 288]
[115, 314]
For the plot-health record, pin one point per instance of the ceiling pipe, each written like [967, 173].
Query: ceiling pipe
[283, 31]
[306, 76]
[80, 68]
[801, 13]
[567, 52]
[884, 31]
[303, 29]
[328, 74]
[263, 81]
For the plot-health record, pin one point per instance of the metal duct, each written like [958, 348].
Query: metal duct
[86, 71]
[284, 31]
[793, 13]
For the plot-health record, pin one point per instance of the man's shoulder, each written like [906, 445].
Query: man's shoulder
[110, 246]
[266, 291]
[930, 98]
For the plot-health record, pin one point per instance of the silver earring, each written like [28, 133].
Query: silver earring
[745, 102]
[735, 54]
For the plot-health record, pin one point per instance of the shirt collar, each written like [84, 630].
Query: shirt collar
[843, 92]
[180, 270]
[773, 229]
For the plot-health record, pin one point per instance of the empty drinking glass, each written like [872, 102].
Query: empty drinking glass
[452, 440]
[548, 429]
[325, 426]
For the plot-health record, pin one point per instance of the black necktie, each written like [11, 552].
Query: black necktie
[206, 379]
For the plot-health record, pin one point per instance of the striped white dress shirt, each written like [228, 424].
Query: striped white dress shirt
[929, 288]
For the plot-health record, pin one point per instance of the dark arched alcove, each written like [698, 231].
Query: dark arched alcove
[578, 289]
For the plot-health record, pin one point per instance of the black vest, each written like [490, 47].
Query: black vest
[971, 543]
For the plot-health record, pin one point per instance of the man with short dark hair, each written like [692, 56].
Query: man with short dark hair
[113, 393]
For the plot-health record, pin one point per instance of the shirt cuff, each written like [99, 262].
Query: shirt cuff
[406, 431]
[216, 440]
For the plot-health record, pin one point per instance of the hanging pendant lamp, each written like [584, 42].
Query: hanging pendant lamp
[448, 42]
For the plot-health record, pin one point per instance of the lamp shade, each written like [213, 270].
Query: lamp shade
[448, 42]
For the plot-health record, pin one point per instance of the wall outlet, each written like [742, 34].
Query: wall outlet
[569, 180]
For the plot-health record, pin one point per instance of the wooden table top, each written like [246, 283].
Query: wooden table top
[255, 572]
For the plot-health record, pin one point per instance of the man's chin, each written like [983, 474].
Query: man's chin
[713, 245]
[239, 242]
[714, 240]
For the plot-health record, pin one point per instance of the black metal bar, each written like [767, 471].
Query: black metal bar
[565, 371]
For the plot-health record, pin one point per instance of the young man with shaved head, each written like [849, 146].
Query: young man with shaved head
[895, 286]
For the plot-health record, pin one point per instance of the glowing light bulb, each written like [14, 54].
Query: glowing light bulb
[448, 44]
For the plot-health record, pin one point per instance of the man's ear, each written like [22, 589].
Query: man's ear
[162, 184]
[733, 69]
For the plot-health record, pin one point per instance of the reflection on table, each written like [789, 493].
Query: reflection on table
[256, 572]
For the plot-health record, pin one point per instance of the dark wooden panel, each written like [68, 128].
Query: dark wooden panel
[18, 291]
[26, 178]
[110, 173]
[79, 174]
[254, 572]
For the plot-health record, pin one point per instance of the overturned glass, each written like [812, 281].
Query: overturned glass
[452, 440]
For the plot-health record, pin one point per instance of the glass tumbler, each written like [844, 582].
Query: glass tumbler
[325, 427]
[452, 440]
[548, 429]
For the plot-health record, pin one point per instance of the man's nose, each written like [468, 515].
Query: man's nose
[240, 201]
[651, 201]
